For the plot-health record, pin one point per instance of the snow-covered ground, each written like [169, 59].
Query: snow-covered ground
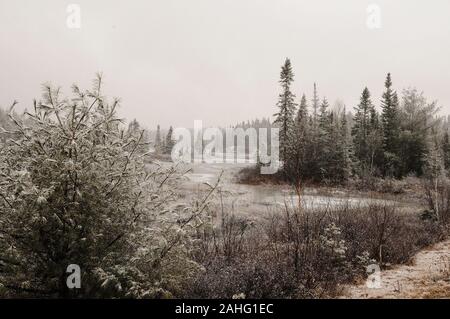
[427, 277]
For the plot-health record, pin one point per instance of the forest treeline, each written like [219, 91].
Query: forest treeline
[320, 143]
[162, 143]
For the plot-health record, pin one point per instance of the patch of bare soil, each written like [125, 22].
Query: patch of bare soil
[427, 277]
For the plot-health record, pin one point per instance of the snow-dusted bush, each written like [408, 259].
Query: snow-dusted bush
[306, 253]
[75, 190]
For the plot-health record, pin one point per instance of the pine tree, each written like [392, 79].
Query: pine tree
[315, 106]
[417, 120]
[314, 134]
[302, 125]
[134, 127]
[169, 141]
[324, 121]
[141, 135]
[338, 162]
[158, 139]
[298, 156]
[302, 114]
[324, 142]
[344, 148]
[285, 116]
[365, 123]
[390, 121]
[90, 201]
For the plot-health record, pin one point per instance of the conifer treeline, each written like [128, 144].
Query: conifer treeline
[319, 144]
[164, 145]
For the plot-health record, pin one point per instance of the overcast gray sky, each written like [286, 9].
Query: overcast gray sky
[174, 61]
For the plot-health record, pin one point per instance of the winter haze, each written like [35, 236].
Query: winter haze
[175, 61]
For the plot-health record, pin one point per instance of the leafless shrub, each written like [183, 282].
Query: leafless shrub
[437, 194]
[301, 253]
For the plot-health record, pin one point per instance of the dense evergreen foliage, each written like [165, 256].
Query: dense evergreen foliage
[285, 116]
[325, 144]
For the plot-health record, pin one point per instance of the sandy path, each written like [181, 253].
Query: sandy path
[427, 277]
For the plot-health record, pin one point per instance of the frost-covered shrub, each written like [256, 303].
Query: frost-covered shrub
[299, 253]
[75, 190]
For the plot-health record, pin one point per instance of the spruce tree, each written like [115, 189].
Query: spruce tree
[297, 169]
[337, 165]
[417, 122]
[390, 122]
[302, 114]
[324, 142]
[286, 104]
[314, 123]
[74, 189]
[344, 148]
[365, 121]
[135, 129]
[158, 139]
[169, 141]
[302, 125]
[315, 106]
[324, 120]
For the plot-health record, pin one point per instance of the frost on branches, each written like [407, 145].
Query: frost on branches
[74, 189]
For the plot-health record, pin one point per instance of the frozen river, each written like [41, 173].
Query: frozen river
[249, 197]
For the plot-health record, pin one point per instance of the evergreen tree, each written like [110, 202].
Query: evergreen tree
[302, 127]
[134, 129]
[285, 116]
[314, 129]
[324, 142]
[417, 120]
[389, 117]
[169, 141]
[338, 161]
[302, 114]
[344, 148]
[324, 122]
[365, 134]
[199, 144]
[158, 145]
[134, 126]
[74, 190]
[315, 106]
[296, 166]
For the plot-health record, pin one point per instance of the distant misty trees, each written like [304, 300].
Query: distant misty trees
[256, 124]
[135, 129]
[161, 144]
[164, 145]
[320, 143]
